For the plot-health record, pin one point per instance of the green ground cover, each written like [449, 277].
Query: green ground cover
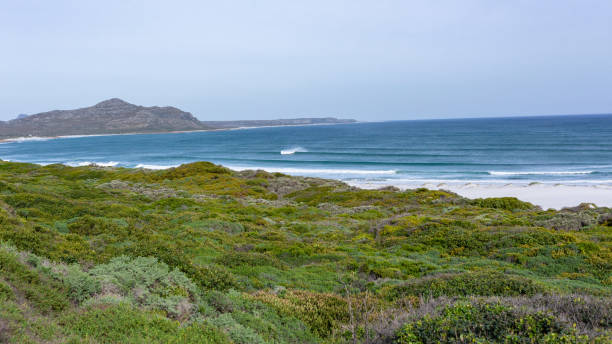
[203, 254]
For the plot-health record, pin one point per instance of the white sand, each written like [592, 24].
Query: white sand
[554, 196]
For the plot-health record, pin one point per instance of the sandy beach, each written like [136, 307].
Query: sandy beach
[555, 196]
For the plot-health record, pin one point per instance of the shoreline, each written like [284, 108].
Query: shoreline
[547, 195]
[44, 138]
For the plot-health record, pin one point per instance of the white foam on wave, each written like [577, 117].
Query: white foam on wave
[26, 139]
[552, 173]
[93, 163]
[155, 167]
[293, 150]
[312, 171]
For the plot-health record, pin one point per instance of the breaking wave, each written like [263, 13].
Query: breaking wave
[93, 163]
[155, 167]
[293, 150]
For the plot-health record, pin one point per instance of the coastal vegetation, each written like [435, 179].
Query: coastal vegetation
[204, 254]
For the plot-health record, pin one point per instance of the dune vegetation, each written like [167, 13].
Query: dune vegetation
[203, 254]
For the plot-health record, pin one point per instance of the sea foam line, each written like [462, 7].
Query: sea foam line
[553, 173]
[290, 170]
[155, 167]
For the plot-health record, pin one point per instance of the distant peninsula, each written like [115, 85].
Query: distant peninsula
[115, 116]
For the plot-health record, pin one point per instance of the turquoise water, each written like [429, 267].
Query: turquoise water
[564, 149]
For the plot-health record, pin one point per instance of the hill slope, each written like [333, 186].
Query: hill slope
[113, 116]
[203, 254]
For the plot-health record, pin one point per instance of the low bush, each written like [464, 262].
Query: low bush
[486, 323]
[6, 293]
[149, 283]
[91, 225]
[568, 220]
[234, 330]
[235, 259]
[323, 312]
[192, 169]
[46, 295]
[212, 277]
[505, 203]
[122, 323]
[483, 283]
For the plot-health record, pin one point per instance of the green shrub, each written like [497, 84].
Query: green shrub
[90, 225]
[220, 301]
[505, 203]
[237, 332]
[81, 285]
[218, 225]
[45, 294]
[485, 323]
[569, 220]
[323, 312]
[6, 293]
[235, 259]
[173, 204]
[192, 169]
[44, 205]
[212, 277]
[123, 323]
[484, 283]
[149, 283]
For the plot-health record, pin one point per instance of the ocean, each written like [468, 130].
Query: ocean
[552, 150]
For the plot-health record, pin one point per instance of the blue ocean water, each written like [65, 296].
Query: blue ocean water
[559, 149]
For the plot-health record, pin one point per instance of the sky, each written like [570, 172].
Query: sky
[368, 60]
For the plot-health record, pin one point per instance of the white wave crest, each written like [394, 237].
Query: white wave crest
[92, 163]
[155, 167]
[552, 173]
[311, 171]
[293, 150]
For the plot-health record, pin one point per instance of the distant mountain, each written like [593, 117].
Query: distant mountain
[21, 115]
[115, 116]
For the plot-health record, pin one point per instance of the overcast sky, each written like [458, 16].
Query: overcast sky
[370, 60]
